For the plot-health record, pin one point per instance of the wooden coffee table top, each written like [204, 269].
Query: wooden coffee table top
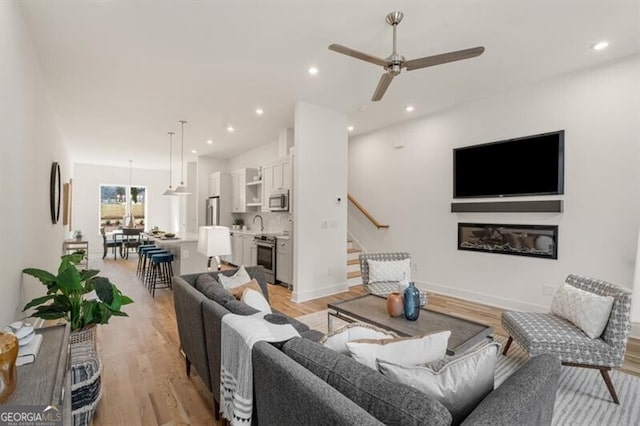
[373, 310]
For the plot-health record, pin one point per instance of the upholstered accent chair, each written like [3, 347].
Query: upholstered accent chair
[382, 288]
[539, 333]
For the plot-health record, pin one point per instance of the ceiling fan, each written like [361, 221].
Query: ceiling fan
[394, 63]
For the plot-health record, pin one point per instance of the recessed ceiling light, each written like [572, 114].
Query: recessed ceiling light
[350, 128]
[193, 151]
[230, 128]
[409, 108]
[210, 142]
[601, 45]
[259, 111]
[313, 70]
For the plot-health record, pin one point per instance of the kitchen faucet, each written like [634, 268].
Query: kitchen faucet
[261, 222]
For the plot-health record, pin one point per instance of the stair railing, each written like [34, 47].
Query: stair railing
[366, 212]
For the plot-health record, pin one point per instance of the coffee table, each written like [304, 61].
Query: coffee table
[372, 309]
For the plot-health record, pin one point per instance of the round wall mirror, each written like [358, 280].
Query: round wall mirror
[54, 192]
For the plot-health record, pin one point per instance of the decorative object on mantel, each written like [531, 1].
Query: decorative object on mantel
[182, 190]
[8, 356]
[170, 190]
[394, 304]
[54, 192]
[69, 296]
[522, 240]
[411, 303]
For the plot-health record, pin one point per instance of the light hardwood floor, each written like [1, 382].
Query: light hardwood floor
[144, 380]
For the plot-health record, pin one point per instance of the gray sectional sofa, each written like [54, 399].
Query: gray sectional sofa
[301, 382]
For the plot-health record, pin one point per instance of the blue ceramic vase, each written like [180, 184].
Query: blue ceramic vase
[412, 302]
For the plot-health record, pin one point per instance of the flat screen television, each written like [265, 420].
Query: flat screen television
[531, 165]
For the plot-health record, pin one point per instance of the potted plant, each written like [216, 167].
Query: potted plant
[68, 296]
[237, 223]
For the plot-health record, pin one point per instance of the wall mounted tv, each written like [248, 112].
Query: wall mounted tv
[532, 165]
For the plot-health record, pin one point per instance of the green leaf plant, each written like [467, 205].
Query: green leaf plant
[67, 295]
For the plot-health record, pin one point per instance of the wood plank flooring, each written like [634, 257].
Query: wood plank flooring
[144, 380]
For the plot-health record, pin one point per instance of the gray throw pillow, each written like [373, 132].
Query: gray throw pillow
[459, 385]
[212, 289]
[390, 402]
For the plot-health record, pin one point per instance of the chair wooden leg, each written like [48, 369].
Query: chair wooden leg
[507, 346]
[607, 380]
[216, 410]
[188, 366]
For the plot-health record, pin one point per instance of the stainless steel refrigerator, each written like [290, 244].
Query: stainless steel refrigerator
[213, 211]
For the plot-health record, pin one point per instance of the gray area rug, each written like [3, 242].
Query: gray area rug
[582, 397]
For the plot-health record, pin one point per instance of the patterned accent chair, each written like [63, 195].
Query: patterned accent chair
[381, 288]
[539, 333]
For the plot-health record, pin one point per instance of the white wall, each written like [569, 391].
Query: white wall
[411, 188]
[206, 166]
[29, 142]
[320, 176]
[255, 158]
[86, 198]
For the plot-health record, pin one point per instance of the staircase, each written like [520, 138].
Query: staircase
[353, 265]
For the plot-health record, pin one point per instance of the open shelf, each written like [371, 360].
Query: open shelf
[254, 204]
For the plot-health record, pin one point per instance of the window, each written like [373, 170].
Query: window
[114, 203]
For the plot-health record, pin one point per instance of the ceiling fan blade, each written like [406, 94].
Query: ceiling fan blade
[359, 55]
[443, 58]
[383, 84]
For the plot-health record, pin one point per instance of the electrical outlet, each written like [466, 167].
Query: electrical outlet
[548, 290]
[333, 224]
[185, 254]
[323, 224]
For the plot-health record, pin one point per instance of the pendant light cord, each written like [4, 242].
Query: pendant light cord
[170, 152]
[182, 122]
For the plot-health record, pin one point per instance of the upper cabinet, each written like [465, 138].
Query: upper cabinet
[245, 191]
[276, 177]
[214, 184]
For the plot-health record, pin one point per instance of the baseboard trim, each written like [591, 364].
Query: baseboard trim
[305, 296]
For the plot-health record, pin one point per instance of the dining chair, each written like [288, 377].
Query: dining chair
[108, 243]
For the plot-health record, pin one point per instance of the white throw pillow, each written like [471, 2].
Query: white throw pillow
[338, 338]
[389, 270]
[256, 300]
[587, 311]
[406, 350]
[459, 385]
[239, 278]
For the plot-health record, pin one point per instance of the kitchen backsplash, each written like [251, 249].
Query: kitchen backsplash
[273, 222]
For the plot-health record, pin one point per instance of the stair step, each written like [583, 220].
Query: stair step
[353, 274]
[353, 261]
[353, 250]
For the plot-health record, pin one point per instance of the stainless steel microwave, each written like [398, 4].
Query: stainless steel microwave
[279, 201]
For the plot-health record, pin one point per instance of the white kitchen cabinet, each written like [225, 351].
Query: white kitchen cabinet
[243, 250]
[214, 184]
[284, 261]
[276, 177]
[240, 191]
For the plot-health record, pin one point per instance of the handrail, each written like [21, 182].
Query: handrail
[366, 212]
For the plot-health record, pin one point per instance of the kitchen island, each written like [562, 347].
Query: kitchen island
[186, 258]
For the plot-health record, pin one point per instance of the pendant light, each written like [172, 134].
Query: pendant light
[128, 221]
[182, 190]
[170, 190]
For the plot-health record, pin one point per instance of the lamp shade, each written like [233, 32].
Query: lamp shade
[214, 241]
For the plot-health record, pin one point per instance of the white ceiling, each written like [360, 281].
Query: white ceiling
[121, 73]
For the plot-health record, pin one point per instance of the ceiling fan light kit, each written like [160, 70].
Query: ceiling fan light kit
[394, 63]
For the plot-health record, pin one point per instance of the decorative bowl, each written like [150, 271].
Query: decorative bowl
[169, 235]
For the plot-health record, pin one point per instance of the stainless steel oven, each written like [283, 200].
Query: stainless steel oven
[266, 245]
[279, 201]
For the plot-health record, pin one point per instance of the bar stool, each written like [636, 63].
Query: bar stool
[146, 261]
[161, 269]
[141, 250]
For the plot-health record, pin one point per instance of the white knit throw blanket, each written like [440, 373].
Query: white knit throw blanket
[238, 335]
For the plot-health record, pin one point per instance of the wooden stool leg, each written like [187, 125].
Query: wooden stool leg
[507, 346]
[607, 380]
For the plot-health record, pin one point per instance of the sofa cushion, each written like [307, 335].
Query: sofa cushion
[211, 288]
[238, 291]
[255, 299]
[390, 402]
[405, 350]
[239, 278]
[300, 327]
[389, 270]
[459, 385]
[239, 308]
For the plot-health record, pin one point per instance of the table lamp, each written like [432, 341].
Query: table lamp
[214, 241]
